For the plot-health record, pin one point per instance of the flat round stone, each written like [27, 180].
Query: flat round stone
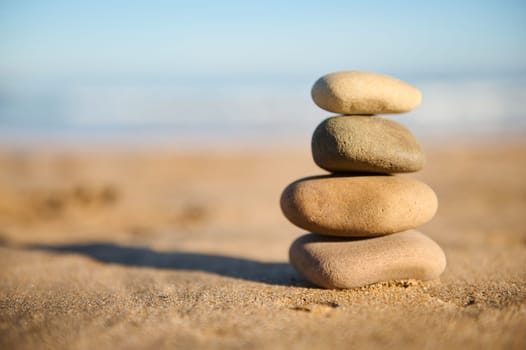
[357, 92]
[365, 143]
[358, 205]
[340, 263]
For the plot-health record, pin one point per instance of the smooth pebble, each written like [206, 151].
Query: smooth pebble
[347, 263]
[358, 92]
[364, 143]
[358, 205]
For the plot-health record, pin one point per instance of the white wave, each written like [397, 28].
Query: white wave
[461, 106]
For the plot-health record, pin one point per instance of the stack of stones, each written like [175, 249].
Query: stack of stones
[362, 217]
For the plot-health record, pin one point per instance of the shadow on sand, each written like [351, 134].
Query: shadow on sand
[272, 273]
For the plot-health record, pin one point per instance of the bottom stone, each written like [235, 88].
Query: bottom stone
[340, 263]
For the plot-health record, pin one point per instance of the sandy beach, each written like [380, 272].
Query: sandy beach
[165, 248]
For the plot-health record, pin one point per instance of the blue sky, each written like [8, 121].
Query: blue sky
[75, 40]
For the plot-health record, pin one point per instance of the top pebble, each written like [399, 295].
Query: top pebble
[356, 92]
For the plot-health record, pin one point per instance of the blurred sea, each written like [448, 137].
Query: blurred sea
[206, 112]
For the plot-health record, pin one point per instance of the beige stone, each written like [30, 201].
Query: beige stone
[364, 143]
[357, 92]
[332, 262]
[357, 205]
